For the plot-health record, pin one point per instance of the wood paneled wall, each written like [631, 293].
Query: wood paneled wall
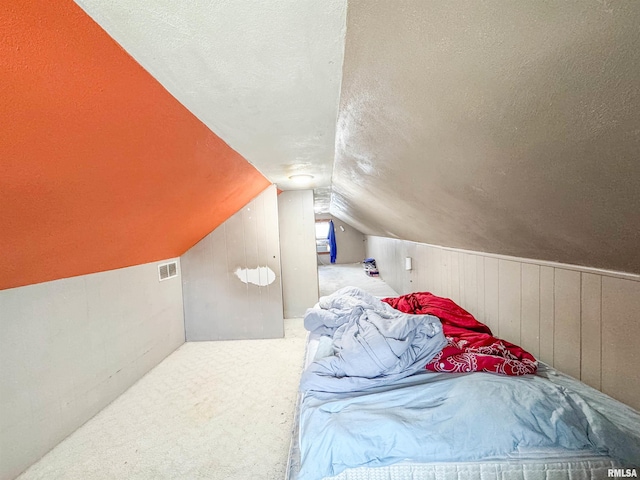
[218, 303]
[296, 220]
[583, 322]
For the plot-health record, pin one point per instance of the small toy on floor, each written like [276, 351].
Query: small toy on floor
[370, 267]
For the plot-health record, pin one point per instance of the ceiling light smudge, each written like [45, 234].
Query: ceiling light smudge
[301, 178]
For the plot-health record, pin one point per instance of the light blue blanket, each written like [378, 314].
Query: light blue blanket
[373, 344]
[334, 310]
[444, 417]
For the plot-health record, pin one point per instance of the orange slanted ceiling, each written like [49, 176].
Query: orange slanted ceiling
[100, 167]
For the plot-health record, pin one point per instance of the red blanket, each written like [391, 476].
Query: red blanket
[471, 346]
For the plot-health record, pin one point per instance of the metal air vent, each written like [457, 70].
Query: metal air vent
[167, 270]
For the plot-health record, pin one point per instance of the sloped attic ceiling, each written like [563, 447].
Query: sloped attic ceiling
[496, 126]
[264, 75]
[100, 168]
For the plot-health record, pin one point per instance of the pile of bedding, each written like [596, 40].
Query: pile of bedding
[368, 400]
[470, 346]
[372, 343]
[377, 341]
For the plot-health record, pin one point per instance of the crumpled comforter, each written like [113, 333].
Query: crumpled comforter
[373, 344]
[470, 344]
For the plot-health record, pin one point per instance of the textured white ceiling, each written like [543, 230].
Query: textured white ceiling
[263, 75]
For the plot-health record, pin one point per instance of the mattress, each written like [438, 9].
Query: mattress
[585, 469]
[529, 464]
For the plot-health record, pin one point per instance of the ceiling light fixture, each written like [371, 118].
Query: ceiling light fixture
[301, 178]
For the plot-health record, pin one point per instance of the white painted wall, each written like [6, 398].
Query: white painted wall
[584, 322]
[231, 278]
[350, 243]
[298, 247]
[70, 347]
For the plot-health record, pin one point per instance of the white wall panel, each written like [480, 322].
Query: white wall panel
[433, 273]
[70, 347]
[454, 277]
[530, 311]
[298, 249]
[547, 314]
[399, 273]
[470, 299]
[491, 294]
[620, 334]
[591, 338]
[250, 223]
[439, 273]
[422, 267]
[238, 319]
[509, 304]
[232, 278]
[271, 303]
[446, 277]
[480, 283]
[582, 321]
[566, 333]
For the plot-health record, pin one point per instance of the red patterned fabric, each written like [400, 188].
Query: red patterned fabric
[471, 345]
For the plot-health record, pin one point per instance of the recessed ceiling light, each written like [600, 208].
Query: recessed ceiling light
[301, 178]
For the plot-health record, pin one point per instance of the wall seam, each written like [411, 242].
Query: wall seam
[498, 312]
[539, 309]
[580, 329]
[553, 326]
[601, 342]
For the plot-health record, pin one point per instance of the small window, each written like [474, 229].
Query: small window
[322, 242]
[322, 229]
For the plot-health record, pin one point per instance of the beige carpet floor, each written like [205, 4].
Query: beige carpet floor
[334, 277]
[211, 410]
